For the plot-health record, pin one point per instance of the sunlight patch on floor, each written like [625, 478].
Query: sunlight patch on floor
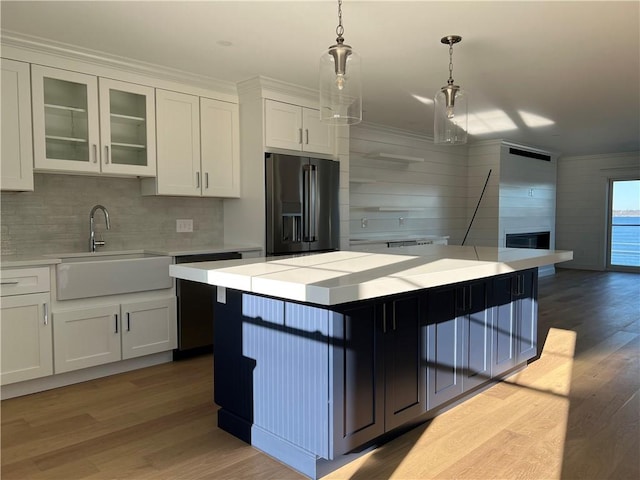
[516, 429]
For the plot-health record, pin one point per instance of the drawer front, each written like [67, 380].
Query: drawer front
[20, 281]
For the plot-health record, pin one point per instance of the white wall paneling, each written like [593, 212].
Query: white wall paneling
[581, 220]
[520, 196]
[425, 197]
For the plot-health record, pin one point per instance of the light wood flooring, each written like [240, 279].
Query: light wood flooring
[572, 414]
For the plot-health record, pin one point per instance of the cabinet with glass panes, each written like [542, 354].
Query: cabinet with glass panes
[86, 124]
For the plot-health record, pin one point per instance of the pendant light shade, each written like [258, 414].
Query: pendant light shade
[451, 111]
[340, 82]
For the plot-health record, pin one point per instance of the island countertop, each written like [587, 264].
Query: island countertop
[347, 276]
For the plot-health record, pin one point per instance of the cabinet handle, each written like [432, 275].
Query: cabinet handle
[128, 322]
[116, 316]
[197, 179]
[95, 153]
[384, 319]
[300, 134]
[393, 313]
[206, 179]
[106, 154]
[307, 135]
[9, 282]
[46, 313]
[520, 284]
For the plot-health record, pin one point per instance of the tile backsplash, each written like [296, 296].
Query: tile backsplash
[54, 218]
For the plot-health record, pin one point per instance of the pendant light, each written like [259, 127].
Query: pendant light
[450, 121]
[340, 82]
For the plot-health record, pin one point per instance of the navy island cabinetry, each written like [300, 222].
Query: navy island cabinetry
[310, 384]
[458, 340]
[319, 359]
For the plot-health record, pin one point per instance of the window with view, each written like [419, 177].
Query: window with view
[624, 228]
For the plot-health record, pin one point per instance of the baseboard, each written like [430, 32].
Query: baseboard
[77, 376]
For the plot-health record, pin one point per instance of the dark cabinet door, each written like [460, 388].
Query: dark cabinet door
[477, 334]
[404, 385]
[358, 376]
[526, 312]
[444, 347]
[504, 326]
[515, 310]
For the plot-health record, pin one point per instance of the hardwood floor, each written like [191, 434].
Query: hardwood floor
[574, 413]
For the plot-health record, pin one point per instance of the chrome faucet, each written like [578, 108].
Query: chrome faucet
[93, 243]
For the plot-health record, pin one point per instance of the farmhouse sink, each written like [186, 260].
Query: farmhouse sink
[84, 275]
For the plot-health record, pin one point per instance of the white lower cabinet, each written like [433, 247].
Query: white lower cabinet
[25, 334]
[88, 337]
[148, 327]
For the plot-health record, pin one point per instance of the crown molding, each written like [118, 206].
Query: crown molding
[31, 48]
[274, 89]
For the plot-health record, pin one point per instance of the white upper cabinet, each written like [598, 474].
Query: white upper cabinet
[178, 131]
[296, 128]
[127, 128]
[17, 147]
[80, 128]
[220, 148]
[198, 147]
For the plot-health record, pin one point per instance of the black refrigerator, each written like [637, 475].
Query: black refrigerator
[302, 209]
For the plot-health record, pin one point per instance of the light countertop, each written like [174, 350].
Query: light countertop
[346, 276]
[36, 260]
[379, 238]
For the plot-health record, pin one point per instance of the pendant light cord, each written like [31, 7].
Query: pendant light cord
[450, 81]
[339, 28]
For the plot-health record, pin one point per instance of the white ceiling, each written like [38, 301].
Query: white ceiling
[573, 66]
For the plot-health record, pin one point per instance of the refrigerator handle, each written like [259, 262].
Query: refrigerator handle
[306, 197]
[313, 201]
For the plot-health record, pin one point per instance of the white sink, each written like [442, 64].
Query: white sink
[83, 275]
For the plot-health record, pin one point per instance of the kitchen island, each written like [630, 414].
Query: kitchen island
[319, 358]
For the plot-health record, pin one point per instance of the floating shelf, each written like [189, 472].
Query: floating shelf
[361, 180]
[398, 209]
[392, 157]
[389, 209]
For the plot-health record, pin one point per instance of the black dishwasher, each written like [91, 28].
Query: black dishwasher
[195, 309]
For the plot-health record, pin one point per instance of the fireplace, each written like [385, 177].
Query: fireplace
[529, 240]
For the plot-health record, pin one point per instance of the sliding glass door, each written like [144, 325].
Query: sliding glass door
[624, 225]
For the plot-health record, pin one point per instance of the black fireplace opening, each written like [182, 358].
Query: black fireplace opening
[529, 240]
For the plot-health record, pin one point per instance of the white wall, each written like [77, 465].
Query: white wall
[485, 228]
[434, 192]
[582, 199]
[527, 195]
[520, 196]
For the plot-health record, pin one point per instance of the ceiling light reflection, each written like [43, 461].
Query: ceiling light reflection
[489, 122]
[425, 100]
[533, 120]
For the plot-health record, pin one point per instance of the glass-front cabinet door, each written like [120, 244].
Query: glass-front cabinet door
[65, 120]
[86, 124]
[127, 128]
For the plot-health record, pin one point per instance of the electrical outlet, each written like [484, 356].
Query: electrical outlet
[184, 225]
[401, 221]
[364, 222]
